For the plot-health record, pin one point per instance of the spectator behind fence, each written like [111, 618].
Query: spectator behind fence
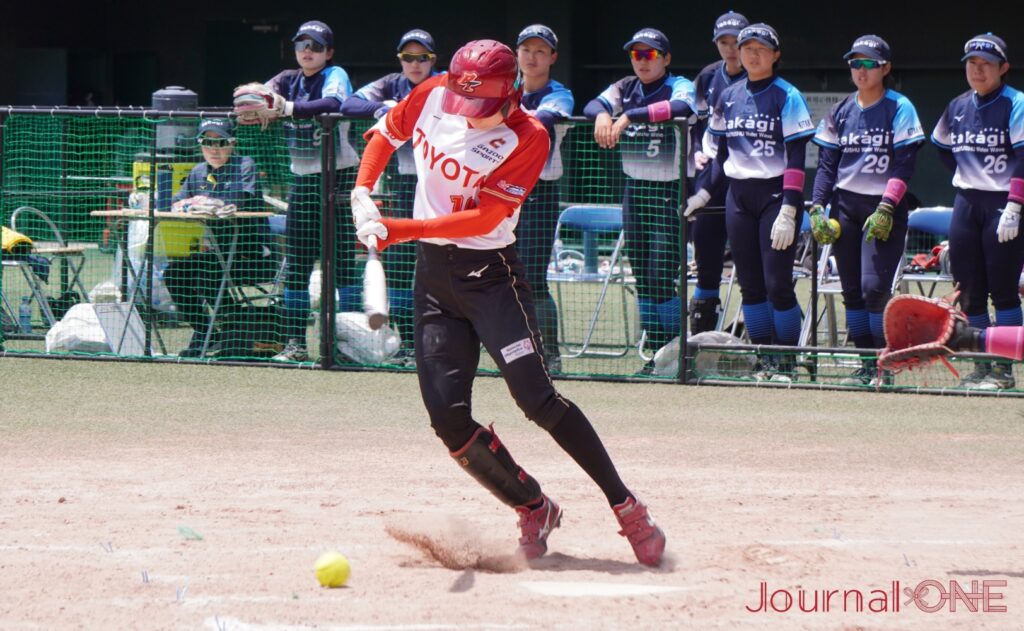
[763, 127]
[417, 56]
[980, 138]
[312, 89]
[230, 178]
[549, 101]
[651, 161]
[709, 235]
[868, 145]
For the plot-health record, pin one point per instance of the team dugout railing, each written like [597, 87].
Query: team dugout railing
[111, 274]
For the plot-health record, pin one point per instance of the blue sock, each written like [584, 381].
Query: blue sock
[703, 294]
[877, 330]
[758, 320]
[670, 316]
[787, 325]
[1009, 317]
[296, 301]
[857, 322]
[350, 298]
[648, 314]
[980, 321]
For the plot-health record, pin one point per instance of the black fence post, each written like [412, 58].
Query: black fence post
[147, 262]
[328, 226]
[684, 372]
[813, 366]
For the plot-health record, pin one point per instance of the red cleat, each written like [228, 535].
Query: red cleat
[647, 539]
[536, 525]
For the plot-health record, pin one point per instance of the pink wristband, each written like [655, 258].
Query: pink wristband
[793, 180]
[895, 189]
[1016, 190]
[660, 111]
[1005, 341]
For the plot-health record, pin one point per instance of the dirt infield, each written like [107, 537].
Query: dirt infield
[167, 497]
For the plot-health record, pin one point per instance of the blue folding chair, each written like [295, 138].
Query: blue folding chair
[935, 222]
[599, 227]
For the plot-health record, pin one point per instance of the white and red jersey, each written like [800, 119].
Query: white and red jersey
[457, 166]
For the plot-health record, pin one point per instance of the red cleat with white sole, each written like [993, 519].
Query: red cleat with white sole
[536, 525]
[638, 527]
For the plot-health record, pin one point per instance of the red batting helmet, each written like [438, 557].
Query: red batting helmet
[482, 77]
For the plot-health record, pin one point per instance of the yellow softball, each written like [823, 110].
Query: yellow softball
[834, 224]
[332, 569]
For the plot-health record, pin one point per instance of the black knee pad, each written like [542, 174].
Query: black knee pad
[704, 314]
[490, 464]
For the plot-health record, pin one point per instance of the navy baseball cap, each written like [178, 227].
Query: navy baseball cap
[652, 37]
[872, 46]
[419, 36]
[541, 32]
[730, 23]
[220, 126]
[316, 31]
[760, 32]
[988, 46]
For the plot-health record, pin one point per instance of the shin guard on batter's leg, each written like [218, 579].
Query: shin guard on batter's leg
[490, 464]
[487, 460]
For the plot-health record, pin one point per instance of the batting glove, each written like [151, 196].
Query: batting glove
[373, 233]
[879, 224]
[363, 208]
[821, 229]
[1009, 222]
[784, 228]
[695, 202]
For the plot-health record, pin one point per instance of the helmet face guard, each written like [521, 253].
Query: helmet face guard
[482, 78]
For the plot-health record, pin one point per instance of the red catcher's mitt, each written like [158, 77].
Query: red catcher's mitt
[918, 331]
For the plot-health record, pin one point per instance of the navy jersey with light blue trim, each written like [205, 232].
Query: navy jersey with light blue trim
[983, 138]
[866, 139]
[757, 126]
[710, 84]
[376, 98]
[303, 134]
[554, 100]
[235, 183]
[650, 151]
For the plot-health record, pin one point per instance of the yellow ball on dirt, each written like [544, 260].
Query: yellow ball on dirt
[332, 569]
[834, 224]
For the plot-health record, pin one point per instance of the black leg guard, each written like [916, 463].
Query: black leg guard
[704, 314]
[487, 460]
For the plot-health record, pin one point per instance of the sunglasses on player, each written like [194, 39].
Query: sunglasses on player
[303, 45]
[216, 143]
[648, 54]
[414, 57]
[866, 64]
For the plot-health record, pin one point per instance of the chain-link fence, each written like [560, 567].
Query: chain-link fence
[177, 236]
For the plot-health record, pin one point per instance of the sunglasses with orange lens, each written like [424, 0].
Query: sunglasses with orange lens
[649, 54]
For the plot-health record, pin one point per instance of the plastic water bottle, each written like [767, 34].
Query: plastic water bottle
[25, 315]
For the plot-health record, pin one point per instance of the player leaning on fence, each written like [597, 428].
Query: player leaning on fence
[763, 127]
[980, 137]
[868, 146]
[313, 88]
[651, 161]
[478, 155]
